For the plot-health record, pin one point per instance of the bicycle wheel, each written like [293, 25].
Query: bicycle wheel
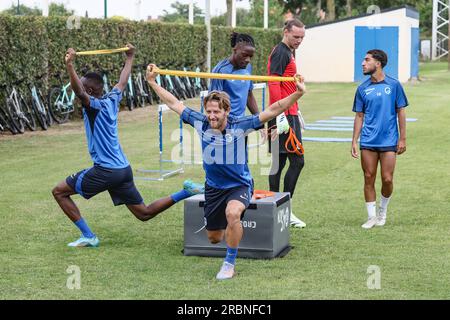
[40, 116]
[141, 96]
[56, 106]
[137, 102]
[147, 90]
[28, 112]
[14, 118]
[129, 100]
[142, 99]
[44, 104]
[9, 125]
[5, 122]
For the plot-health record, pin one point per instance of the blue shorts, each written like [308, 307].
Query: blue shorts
[216, 201]
[118, 182]
[379, 149]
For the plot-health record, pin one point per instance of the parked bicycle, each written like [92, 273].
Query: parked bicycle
[20, 111]
[142, 91]
[61, 101]
[6, 119]
[40, 109]
[130, 96]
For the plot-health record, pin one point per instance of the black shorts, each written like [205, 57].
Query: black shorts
[379, 149]
[118, 182]
[294, 123]
[216, 201]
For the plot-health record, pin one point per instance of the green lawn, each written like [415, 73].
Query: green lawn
[144, 261]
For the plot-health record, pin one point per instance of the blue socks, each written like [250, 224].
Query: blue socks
[82, 225]
[180, 195]
[231, 255]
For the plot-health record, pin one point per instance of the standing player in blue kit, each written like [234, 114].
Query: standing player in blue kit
[379, 102]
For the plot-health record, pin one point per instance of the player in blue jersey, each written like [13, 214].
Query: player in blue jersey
[240, 91]
[379, 102]
[229, 185]
[111, 170]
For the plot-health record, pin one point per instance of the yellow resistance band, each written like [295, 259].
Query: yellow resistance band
[103, 51]
[193, 74]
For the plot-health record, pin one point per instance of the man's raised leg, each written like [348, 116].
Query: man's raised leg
[145, 213]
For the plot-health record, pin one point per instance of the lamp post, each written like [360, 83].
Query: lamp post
[106, 9]
[208, 32]
[191, 12]
[18, 7]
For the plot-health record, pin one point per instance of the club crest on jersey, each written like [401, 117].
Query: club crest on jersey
[387, 90]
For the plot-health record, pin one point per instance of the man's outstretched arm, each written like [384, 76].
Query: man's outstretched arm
[282, 105]
[75, 82]
[126, 71]
[172, 102]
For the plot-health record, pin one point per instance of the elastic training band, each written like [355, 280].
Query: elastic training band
[103, 51]
[194, 74]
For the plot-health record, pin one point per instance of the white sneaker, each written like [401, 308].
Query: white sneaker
[226, 272]
[381, 220]
[370, 223]
[296, 222]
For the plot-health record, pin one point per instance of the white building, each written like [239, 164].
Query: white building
[333, 52]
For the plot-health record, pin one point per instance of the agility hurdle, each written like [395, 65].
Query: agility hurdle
[164, 173]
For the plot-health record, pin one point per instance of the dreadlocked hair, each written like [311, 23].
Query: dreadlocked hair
[241, 37]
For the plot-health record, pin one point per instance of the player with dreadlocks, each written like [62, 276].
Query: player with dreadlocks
[240, 91]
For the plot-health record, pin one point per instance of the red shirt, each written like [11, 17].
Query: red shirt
[282, 63]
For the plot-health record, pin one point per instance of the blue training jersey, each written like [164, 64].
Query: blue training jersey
[224, 153]
[236, 89]
[100, 122]
[379, 101]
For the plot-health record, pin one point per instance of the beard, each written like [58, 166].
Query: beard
[215, 124]
[369, 72]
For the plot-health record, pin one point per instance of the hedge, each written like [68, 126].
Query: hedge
[35, 46]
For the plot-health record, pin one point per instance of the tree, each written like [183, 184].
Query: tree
[331, 9]
[55, 9]
[308, 11]
[255, 16]
[293, 6]
[229, 11]
[181, 14]
[23, 11]
[242, 15]
[348, 8]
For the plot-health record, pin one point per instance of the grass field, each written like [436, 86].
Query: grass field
[330, 258]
